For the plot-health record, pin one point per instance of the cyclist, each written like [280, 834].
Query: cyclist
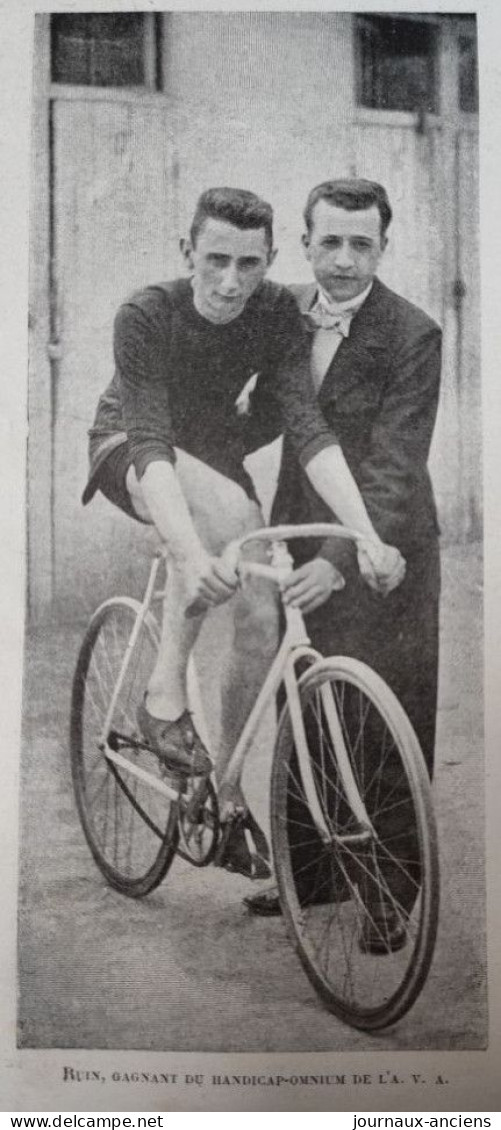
[167, 447]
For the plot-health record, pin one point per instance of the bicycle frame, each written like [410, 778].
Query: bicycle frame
[295, 646]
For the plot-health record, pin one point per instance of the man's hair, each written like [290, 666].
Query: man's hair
[353, 195]
[234, 206]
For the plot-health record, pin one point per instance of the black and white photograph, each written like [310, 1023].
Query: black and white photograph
[252, 775]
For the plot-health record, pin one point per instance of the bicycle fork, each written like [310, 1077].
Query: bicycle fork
[364, 831]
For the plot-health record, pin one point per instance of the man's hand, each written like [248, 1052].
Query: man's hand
[311, 585]
[381, 566]
[209, 582]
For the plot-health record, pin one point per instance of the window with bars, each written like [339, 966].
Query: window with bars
[397, 64]
[108, 50]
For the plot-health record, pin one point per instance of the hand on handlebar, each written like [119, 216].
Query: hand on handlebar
[210, 581]
[381, 566]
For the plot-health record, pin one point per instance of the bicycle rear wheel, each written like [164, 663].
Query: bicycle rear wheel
[131, 826]
[360, 903]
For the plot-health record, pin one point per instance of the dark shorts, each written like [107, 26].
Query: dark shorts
[111, 480]
[110, 460]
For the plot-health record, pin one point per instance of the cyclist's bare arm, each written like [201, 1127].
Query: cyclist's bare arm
[381, 566]
[207, 579]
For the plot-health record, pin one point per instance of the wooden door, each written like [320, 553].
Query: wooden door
[114, 230]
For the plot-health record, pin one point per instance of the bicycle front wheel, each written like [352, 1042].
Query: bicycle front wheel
[129, 821]
[359, 896]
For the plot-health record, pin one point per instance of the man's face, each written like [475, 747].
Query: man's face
[344, 248]
[227, 264]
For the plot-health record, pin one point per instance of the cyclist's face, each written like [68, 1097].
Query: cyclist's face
[344, 248]
[227, 264]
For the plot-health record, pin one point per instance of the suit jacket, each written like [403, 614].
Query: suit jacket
[380, 397]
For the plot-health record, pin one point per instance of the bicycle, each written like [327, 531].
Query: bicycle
[353, 832]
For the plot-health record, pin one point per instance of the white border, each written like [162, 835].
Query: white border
[31, 1080]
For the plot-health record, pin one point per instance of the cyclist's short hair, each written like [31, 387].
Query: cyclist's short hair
[235, 206]
[355, 195]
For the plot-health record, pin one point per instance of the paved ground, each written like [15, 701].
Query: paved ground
[186, 969]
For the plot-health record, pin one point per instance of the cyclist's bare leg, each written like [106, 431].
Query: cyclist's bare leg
[221, 511]
[167, 688]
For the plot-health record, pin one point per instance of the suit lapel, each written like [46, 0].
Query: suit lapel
[357, 354]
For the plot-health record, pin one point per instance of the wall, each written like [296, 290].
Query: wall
[268, 109]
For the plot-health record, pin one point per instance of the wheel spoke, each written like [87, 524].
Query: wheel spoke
[329, 783]
[355, 906]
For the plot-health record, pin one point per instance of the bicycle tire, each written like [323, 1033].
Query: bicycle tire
[331, 893]
[131, 829]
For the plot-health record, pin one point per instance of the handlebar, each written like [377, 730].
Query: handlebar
[304, 530]
[231, 554]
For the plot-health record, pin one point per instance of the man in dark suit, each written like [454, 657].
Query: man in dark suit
[375, 362]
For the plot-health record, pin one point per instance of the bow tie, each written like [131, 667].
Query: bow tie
[321, 317]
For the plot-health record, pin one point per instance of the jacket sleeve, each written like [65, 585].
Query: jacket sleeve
[141, 346]
[400, 441]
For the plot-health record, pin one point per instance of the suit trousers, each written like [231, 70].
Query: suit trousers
[396, 635]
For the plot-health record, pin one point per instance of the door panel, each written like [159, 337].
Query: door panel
[432, 181]
[416, 264]
[113, 231]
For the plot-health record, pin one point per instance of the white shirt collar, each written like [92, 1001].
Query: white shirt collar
[350, 306]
